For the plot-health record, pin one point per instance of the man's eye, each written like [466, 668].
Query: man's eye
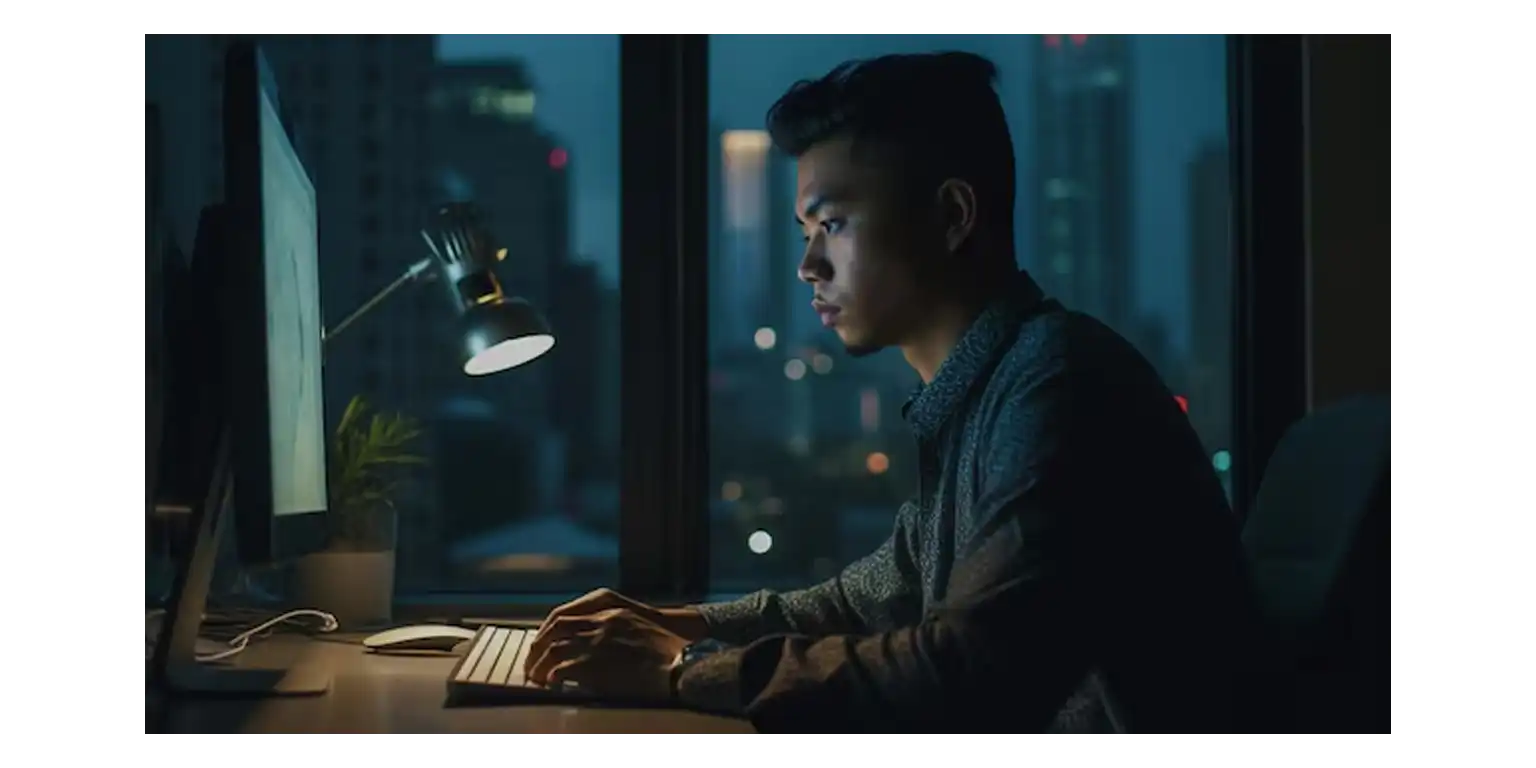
[832, 226]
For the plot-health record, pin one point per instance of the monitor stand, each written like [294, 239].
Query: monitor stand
[174, 666]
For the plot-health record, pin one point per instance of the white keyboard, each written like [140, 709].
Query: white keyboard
[494, 662]
[493, 672]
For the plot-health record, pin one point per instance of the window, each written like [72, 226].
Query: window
[1121, 211]
[369, 261]
[521, 492]
[372, 381]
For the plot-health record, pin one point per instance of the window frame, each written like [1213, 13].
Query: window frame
[664, 434]
[664, 542]
[1266, 103]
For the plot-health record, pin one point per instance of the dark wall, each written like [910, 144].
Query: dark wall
[1349, 195]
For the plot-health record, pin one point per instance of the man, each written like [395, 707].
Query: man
[1068, 561]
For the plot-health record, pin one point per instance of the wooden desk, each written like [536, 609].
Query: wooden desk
[376, 693]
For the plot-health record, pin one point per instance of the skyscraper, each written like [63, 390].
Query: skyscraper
[578, 362]
[744, 303]
[488, 147]
[1081, 195]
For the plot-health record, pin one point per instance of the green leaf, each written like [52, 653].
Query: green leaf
[370, 454]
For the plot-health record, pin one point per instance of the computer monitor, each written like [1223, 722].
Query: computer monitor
[272, 327]
[249, 408]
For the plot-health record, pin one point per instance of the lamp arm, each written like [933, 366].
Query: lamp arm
[413, 272]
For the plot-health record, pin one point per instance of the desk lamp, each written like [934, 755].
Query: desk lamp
[497, 332]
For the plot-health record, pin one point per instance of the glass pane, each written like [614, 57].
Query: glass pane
[1122, 212]
[526, 462]
[519, 487]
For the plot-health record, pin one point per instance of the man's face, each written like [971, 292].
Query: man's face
[863, 244]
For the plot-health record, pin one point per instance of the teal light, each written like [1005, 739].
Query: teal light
[1222, 460]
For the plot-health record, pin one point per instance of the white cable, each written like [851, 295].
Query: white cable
[239, 642]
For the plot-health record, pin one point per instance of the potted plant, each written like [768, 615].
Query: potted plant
[368, 464]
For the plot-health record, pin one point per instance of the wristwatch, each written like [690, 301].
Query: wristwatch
[690, 655]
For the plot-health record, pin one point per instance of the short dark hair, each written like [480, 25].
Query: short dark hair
[939, 110]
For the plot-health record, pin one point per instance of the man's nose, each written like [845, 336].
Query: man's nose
[814, 267]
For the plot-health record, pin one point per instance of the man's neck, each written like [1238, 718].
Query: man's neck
[928, 347]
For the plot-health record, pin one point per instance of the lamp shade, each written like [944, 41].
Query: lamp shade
[501, 334]
[498, 331]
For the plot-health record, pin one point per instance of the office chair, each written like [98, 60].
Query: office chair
[1318, 542]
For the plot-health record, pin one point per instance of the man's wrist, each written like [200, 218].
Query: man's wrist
[691, 654]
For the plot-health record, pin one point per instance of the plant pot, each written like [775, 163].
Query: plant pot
[357, 587]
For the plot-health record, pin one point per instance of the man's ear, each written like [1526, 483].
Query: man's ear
[957, 207]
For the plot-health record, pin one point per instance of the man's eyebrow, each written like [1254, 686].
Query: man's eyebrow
[816, 203]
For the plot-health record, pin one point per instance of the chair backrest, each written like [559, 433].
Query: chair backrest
[1319, 544]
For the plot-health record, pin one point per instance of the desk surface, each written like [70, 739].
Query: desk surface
[377, 693]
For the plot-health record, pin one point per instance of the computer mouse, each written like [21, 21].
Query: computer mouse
[420, 637]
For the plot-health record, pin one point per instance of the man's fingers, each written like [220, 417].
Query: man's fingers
[582, 671]
[615, 618]
[588, 603]
[566, 624]
[591, 603]
[559, 629]
[540, 661]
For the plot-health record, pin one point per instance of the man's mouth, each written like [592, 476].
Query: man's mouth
[827, 312]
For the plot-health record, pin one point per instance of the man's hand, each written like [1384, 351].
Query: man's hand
[597, 635]
[616, 652]
[685, 622]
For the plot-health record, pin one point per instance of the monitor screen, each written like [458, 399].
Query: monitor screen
[290, 237]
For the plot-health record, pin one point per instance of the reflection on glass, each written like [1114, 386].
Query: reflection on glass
[1122, 213]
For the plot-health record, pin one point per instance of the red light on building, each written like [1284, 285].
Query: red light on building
[558, 158]
[1183, 402]
[1053, 41]
[1079, 39]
